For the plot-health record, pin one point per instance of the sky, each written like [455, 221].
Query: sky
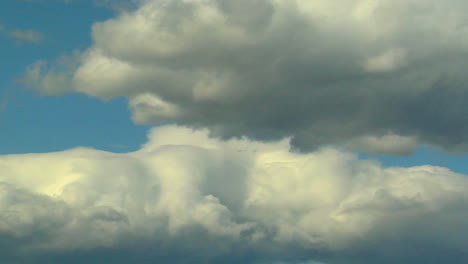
[228, 131]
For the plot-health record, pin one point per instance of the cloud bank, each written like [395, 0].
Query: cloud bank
[323, 72]
[275, 90]
[187, 198]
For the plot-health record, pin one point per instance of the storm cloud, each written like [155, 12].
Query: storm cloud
[355, 73]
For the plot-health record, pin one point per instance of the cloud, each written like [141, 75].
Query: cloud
[322, 72]
[187, 198]
[23, 36]
[257, 80]
[30, 36]
[387, 144]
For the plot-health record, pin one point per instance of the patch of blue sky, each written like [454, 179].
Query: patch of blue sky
[31, 123]
[425, 155]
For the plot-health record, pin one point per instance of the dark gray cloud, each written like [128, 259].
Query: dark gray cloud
[188, 198]
[357, 73]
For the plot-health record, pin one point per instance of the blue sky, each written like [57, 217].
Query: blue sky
[375, 109]
[32, 123]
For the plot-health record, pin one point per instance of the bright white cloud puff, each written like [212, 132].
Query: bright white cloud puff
[187, 198]
[322, 72]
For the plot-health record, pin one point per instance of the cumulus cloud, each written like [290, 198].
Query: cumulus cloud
[257, 80]
[322, 72]
[187, 198]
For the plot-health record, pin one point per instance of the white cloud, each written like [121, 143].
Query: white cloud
[323, 72]
[238, 196]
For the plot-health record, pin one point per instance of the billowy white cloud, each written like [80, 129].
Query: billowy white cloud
[322, 72]
[185, 197]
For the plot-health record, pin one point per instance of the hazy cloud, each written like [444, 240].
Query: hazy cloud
[187, 198]
[22, 35]
[30, 36]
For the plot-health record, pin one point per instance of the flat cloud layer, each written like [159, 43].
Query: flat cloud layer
[357, 73]
[187, 198]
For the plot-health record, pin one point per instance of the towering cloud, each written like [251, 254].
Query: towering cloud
[187, 198]
[351, 72]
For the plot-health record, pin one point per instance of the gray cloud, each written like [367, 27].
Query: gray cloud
[187, 198]
[323, 72]
[389, 143]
